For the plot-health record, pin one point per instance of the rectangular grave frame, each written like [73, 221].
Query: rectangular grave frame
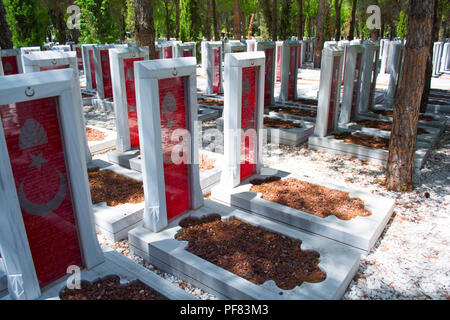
[100, 146]
[25, 50]
[76, 47]
[10, 53]
[288, 45]
[85, 49]
[147, 74]
[34, 61]
[368, 77]
[263, 46]
[182, 47]
[13, 239]
[351, 89]
[209, 46]
[291, 137]
[340, 262]
[278, 65]
[98, 69]
[116, 58]
[234, 46]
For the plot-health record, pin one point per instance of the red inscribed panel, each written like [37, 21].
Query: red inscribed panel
[106, 74]
[248, 122]
[356, 83]
[79, 58]
[334, 82]
[252, 46]
[167, 52]
[158, 54]
[292, 84]
[216, 69]
[279, 55]
[54, 68]
[268, 77]
[92, 67]
[10, 65]
[128, 65]
[187, 53]
[173, 116]
[300, 55]
[33, 138]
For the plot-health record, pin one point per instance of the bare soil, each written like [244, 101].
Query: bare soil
[109, 288]
[210, 102]
[206, 163]
[363, 140]
[383, 125]
[295, 111]
[389, 113]
[281, 124]
[114, 189]
[314, 199]
[95, 135]
[251, 252]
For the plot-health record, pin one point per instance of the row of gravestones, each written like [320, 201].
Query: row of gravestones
[52, 222]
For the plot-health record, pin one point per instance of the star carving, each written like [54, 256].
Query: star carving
[37, 161]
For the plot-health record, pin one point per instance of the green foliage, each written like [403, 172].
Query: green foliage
[97, 23]
[28, 22]
[402, 27]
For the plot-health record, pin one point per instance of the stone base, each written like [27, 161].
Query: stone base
[128, 271]
[122, 158]
[291, 117]
[207, 114]
[360, 233]
[435, 108]
[340, 262]
[115, 222]
[3, 280]
[103, 104]
[331, 145]
[104, 145]
[291, 137]
[88, 101]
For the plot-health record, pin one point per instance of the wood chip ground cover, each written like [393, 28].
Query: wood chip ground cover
[363, 140]
[250, 252]
[110, 288]
[295, 111]
[280, 124]
[114, 189]
[314, 199]
[95, 135]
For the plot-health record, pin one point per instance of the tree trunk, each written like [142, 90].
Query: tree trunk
[208, 20]
[319, 34]
[167, 13]
[400, 166]
[237, 21]
[351, 31]
[274, 20]
[337, 10]
[429, 70]
[177, 18]
[59, 23]
[145, 28]
[266, 19]
[215, 24]
[5, 32]
[300, 20]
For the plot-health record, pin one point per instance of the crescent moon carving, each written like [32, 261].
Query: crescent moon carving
[46, 208]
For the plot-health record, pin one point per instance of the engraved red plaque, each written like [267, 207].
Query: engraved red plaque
[268, 77]
[279, 55]
[79, 58]
[216, 69]
[292, 81]
[356, 82]
[173, 116]
[167, 52]
[106, 73]
[334, 82]
[187, 53]
[54, 68]
[248, 121]
[10, 66]
[251, 46]
[92, 67]
[33, 138]
[128, 65]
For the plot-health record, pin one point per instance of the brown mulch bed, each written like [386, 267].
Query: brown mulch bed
[109, 288]
[295, 111]
[281, 124]
[251, 252]
[389, 113]
[314, 199]
[95, 135]
[306, 101]
[114, 189]
[442, 103]
[210, 102]
[206, 163]
[363, 140]
[84, 95]
[382, 125]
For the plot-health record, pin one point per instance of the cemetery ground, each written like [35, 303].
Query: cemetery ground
[409, 260]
